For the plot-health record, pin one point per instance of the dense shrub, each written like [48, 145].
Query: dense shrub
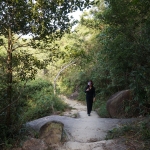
[35, 100]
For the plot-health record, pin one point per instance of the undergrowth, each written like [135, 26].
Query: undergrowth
[37, 100]
[137, 133]
[100, 108]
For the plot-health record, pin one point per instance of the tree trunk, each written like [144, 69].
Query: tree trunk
[62, 69]
[9, 78]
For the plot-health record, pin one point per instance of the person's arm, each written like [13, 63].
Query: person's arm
[86, 89]
[94, 94]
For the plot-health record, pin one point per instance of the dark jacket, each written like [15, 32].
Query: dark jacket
[90, 93]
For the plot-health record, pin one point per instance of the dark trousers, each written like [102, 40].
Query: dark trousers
[89, 102]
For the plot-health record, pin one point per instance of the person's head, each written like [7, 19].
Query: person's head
[90, 83]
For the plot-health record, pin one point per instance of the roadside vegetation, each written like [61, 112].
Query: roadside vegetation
[28, 32]
[110, 46]
[136, 134]
[36, 100]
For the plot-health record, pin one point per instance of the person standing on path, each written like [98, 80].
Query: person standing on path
[90, 96]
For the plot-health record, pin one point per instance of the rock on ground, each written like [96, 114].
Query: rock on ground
[115, 104]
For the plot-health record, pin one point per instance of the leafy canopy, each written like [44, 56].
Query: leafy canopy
[37, 18]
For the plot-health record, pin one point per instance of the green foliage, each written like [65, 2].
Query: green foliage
[37, 18]
[122, 57]
[26, 65]
[100, 107]
[117, 132]
[36, 100]
[115, 43]
[78, 48]
[40, 100]
[125, 48]
[136, 131]
[44, 22]
[81, 96]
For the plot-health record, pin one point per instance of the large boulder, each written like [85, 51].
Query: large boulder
[115, 104]
[50, 137]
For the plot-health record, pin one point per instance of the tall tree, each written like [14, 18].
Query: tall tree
[125, 47]
[122, 46]
[42, 20]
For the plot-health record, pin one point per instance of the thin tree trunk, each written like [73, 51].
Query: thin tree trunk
[62, 68]
[9, 78]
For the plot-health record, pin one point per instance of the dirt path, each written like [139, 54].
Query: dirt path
[75, 105]
[84, 132]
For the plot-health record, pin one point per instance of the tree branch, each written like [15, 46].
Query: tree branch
[18, 38]
[23, 45]
[62, 69]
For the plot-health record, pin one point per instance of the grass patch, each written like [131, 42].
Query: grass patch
[100, 108]
[137, 131]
